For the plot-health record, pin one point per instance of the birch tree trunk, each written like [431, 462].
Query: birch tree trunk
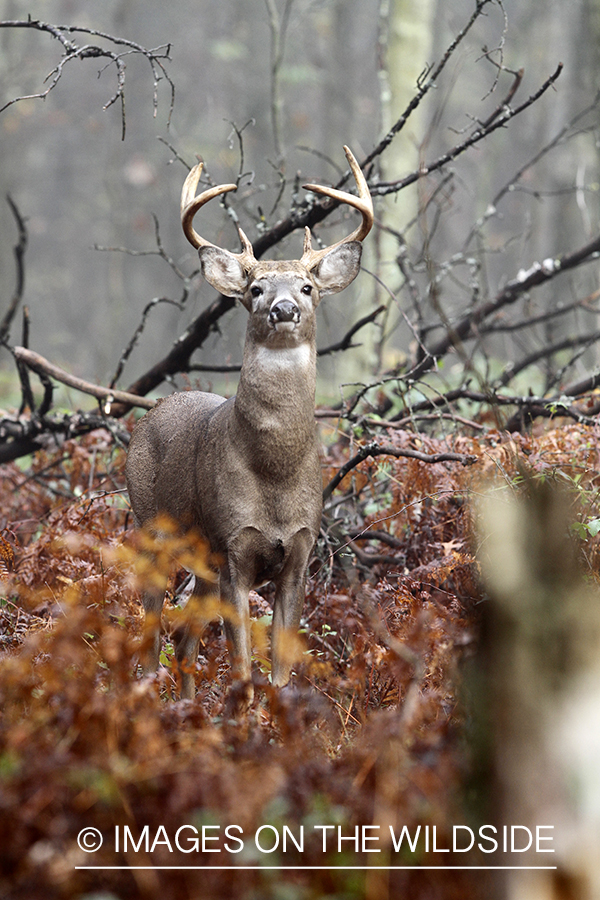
[405, 50]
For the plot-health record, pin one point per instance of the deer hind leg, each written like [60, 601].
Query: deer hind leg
[187, 634]
[289, 600]
[153, 604]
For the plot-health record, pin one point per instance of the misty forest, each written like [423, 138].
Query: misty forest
[440, 732]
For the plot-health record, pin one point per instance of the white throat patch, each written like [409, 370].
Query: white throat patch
[284, 357]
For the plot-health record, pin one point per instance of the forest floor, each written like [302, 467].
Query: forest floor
[308, 795]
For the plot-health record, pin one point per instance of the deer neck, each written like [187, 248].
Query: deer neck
[275, 402]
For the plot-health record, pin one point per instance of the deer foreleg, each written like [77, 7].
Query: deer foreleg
[289, 600]
[236, 622]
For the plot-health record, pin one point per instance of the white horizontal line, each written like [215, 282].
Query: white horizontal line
[322, 868]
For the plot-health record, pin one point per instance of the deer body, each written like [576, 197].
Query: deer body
[245, 472]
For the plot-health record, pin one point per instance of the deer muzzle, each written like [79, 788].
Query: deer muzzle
[284, 315]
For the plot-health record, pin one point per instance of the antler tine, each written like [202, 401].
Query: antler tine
[363, 203]
[190, 204]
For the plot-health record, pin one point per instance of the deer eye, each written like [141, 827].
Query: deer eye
[306, 289]
[256, 290]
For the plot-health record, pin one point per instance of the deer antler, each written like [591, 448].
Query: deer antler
[363, 203]
[190, 204]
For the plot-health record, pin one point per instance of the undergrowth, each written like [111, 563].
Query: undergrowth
[370, 734]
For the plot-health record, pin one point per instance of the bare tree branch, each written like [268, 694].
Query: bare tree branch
[425, 86]
[375, 449]
[391, 187]
[538, 274]
[40, 365]
[71, 51]
[346, 342]
[19, 254]
[22, 436]
[532, 406]
[178, 358]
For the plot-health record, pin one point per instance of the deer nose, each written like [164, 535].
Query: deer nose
[284, 311]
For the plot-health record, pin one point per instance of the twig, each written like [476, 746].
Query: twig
[333, 700]
[346, 342]
[137, 334]
[176, 155]
[423, 417]
[506, 102]
[160, 251]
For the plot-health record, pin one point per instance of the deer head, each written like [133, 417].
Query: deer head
[318, 272]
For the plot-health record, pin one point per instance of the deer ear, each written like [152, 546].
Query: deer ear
[223, 271]
[338, 268]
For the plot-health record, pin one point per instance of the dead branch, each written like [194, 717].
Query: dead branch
[370, 534]
[391, 187]
[19, 254]
[128, 350]
[44, 368]
[425, 86]
[178, 358]
[71, 51]
[375, 449]
[529, 407]
[346, 342]
[20, 435]
[583, 386]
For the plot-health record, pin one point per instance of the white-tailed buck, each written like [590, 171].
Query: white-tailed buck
[245, 472]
